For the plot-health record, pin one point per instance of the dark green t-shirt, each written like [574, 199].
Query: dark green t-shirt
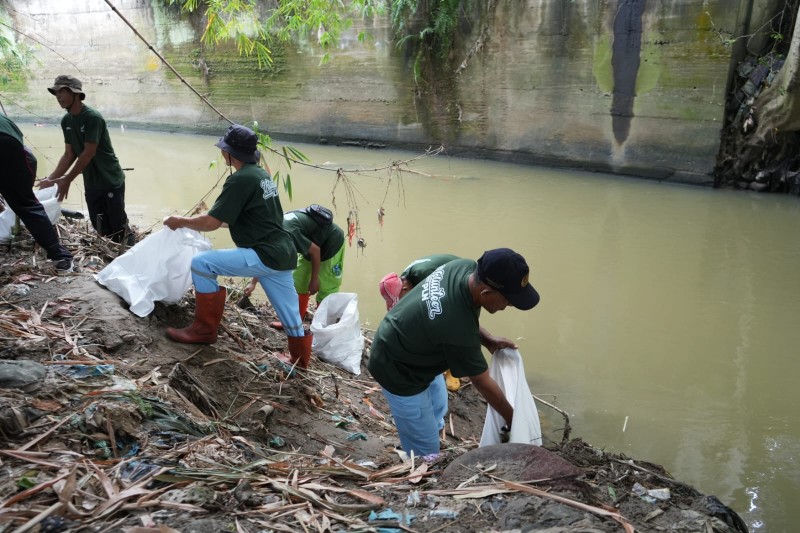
[104, 171]
[304, 231]
[250, 205]
[433, 328]
[422, 267]
[7, 127]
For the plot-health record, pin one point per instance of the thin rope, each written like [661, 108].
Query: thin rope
[40, 43]
[285, 156]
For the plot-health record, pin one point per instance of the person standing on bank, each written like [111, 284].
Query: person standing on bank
[320, 264]
[250, 207]
[16, 186]
[88, 151]
[435, 327]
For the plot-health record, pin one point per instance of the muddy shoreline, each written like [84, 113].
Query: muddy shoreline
[115, 428]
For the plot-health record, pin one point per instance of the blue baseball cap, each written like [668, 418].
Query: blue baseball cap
[506, 271]
[241, 142]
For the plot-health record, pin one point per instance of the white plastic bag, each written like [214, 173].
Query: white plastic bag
[51, 205]
[47, 197]
[156, 269]
[337, 331]
[507, 370]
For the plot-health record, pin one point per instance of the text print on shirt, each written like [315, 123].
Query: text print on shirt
[269, 188]
[432, 292]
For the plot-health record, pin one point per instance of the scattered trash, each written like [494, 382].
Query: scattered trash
[245, 303]
[443, 513]
[277, 442]
[342, 421]
[136, 470]
[650, 496]
[16, 290]
[357, 436]
[388, 514]
[413, 498]
[265, 412]
[85, 371]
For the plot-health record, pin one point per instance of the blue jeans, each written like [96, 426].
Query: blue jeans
[420, 418]
[244, 262]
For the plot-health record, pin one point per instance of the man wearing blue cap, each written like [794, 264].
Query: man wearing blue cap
[250, 206]
[435, 327]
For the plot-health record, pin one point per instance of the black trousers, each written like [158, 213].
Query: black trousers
[107, 213]
[16, 186]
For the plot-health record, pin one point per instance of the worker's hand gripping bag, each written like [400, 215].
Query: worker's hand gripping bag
[157, 269]
[52, 207]
[337, 331]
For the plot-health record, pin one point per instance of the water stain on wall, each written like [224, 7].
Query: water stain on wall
[626, 50]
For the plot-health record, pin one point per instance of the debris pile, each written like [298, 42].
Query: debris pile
[105, 425]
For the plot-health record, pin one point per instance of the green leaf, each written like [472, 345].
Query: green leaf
[287, 186]
[28, 479]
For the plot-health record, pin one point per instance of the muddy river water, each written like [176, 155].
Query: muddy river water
[668, 326]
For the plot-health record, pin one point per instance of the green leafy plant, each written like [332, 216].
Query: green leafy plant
[254, 29]
[14, 57]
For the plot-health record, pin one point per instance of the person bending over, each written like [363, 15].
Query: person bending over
[434, 327]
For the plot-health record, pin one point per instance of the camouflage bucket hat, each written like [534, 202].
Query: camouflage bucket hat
[67, 82]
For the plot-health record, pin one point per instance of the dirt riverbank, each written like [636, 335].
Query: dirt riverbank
[111, 427]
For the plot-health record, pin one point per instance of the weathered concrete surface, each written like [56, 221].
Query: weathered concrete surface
[538, 81]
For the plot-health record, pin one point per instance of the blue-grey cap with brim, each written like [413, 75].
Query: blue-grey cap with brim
[241, 142]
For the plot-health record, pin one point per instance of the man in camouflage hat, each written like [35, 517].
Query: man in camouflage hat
[88, 151]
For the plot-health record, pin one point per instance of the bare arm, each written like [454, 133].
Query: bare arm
[197, 223]
[314, 253]
[490, 390]
[59, 176]
[493, 343]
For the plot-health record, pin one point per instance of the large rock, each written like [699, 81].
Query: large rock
[514, 462]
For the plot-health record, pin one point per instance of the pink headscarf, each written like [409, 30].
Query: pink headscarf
[390, 287]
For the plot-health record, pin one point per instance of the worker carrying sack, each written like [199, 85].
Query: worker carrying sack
[156, 269]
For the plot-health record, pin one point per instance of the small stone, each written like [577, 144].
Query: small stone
[25, 375]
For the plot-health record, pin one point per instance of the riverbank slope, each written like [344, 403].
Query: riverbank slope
[112, 427]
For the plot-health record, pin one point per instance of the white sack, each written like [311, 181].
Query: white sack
[47, 197]
[337, 331]
[156, 269]
[51, 205]
[507, 370]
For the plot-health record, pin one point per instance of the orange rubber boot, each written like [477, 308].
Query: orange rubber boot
[299, 350]
[207, 316]
[302, 300]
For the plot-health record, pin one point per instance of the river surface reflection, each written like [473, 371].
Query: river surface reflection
[668, 324]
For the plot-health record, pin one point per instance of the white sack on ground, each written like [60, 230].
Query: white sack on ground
[337, 331]
[47, 197]
[156, 269]
[507, 370]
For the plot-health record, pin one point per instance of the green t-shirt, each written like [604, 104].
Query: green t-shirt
[7, 127]
[304, 231]
[433, 328]
[104, 171]
[250, 205]
[422, 267]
